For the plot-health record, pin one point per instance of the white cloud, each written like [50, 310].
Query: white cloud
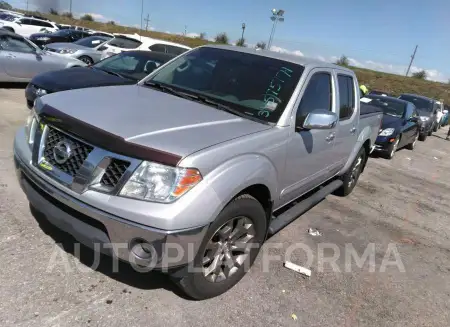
[321, 58]
[193, 35]
[283, 50]
[168, 32]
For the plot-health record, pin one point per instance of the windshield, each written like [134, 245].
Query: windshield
[390, 107]
[130, 65]
[63, 32]
[254, 85]
[420, 103]
[91, 41]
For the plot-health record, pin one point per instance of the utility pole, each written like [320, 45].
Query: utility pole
[142, 18]
[147, 20]
[243, 29]
[412, 59]
[27, 5]
[70, 6]
[277, 16]
[185, 30]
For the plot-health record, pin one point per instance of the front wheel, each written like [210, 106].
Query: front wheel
[87, 60]
[393, 148]
[350, 178]
[229, 249]
[423, 137]
[412, 145]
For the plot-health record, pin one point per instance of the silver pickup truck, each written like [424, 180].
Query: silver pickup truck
[191, 169]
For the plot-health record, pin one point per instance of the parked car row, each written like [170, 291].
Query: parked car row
[406, 119]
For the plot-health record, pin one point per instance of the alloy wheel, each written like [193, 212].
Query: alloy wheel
[355, 172]
[394, 147]
[228, 249]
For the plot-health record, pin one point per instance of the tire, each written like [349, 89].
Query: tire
[350, 178]
[423, 137]
[393, 148]
[199, 286]
[435, 127]
[412, 145]
[86, 59]
[430, 131]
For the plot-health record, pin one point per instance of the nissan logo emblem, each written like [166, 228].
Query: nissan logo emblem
[62, 152]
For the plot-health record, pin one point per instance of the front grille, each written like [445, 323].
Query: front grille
[114, 172]
[80, 152]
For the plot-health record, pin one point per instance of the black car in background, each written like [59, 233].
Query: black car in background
[399, 127]
[427, 110]
[378, 92]
[69, 35]
[127, 67]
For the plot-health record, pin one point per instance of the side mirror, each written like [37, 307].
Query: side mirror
[414, 119]
[318, 119]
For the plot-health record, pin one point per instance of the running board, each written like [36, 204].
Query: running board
[278, 223]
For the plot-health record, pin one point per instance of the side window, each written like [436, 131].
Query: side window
[47, 24]
[35, 22]
[25, 21]
[123, 63]
[318, 95]
[158, 47]
[15, 45]
[346, 97]
[175, 50]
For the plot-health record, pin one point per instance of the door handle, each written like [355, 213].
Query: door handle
[353, 130]
[330, 137]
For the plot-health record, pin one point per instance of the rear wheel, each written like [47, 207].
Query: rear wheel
[228, 250]
[86, 59]
[350, 178]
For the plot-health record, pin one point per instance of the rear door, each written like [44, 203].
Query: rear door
[347, 127]
[310, 158]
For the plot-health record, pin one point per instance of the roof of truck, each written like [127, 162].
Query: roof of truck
[304, 61]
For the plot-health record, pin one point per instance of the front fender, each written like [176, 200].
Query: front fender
[235, 175]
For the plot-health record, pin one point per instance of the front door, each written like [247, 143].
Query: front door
[310, 158]
[19, 56]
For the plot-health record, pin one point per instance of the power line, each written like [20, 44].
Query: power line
[412, 59]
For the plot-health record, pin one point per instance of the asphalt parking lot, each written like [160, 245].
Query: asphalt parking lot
[399, 205]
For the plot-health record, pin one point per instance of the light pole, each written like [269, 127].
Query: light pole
[277, 16]
[142, 17]
[243, 29]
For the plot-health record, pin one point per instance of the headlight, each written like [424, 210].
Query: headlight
[43, 38]
[67, 51]
[30, 127]
[159, 183]
[424, 118]
[387, 132]
[40, 92]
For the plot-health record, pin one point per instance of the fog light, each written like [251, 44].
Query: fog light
[142, 249]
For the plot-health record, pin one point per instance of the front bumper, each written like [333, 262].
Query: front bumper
[384, 143]
[107, 233]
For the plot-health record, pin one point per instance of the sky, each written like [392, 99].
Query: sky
[378, 35]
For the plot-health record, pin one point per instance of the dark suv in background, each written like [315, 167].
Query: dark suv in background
[427, 110]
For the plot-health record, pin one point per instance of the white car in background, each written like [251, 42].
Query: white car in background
[440, 114]
[26, 26]
[126, 42]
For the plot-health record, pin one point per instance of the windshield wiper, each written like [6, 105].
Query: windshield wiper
[112, 73]
[170, 90]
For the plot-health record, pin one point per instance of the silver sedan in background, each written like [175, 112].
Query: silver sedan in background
[21, 60]
[88, 49]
